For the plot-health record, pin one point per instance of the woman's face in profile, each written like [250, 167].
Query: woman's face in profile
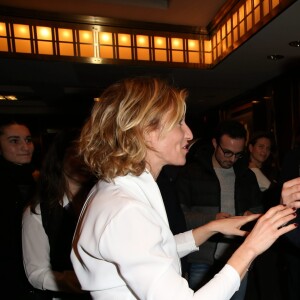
[16, 144]
[170, 148]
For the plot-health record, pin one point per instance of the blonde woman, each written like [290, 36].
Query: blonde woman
[123, 247]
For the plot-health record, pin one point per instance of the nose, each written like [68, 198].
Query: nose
[188, 132]
[25, 145]
[263, 150]
[233, 158]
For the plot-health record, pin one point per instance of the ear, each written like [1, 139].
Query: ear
[150, 136]
[214, 142]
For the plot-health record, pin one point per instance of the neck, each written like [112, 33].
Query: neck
[256, 164]
[153, 165]
[155, 174]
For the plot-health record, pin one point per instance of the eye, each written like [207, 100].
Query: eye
[28, 140]
[228, 153]
[14, 141]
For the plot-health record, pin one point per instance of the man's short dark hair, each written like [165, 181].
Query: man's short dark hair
[233, 129]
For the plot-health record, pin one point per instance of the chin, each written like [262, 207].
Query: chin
[24, 162]
[227, 166]
[182, 162]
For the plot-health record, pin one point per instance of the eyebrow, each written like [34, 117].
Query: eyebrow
[18, 137]
[227, 150]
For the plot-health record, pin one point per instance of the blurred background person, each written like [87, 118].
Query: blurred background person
[266, 276]
[17, 186]
[216, 183]
[263, 162]
[50, 220]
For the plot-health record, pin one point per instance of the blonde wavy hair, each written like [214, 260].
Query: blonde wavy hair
[112, 140]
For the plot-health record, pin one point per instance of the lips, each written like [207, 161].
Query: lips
[24, 154]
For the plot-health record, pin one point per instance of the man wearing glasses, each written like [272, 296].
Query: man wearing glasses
[217, 183]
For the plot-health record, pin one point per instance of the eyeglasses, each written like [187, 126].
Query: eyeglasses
[228, 153]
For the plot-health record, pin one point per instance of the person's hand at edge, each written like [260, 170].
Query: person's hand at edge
[290, 194]
[268, 228]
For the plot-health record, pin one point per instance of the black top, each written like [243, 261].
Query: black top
[199, 192]
[166, 184]
[17, 187]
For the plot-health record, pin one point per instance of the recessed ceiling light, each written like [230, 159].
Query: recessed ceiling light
[8, 97]
[275, 57]
[11, 97]
[267, 97]
[294, 44]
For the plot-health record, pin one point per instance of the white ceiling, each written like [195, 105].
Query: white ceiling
[243, 70]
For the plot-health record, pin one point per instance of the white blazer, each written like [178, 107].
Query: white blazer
[123, 248]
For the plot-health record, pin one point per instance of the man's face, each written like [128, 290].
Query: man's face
[228, 151]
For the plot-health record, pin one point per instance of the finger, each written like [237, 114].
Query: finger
[281, 222]
[252, 217]
[290, 197]
[246, 219]
[274, 210]
[241, 233]
[284, 212]
[291, 191]
[292, 183]
[225, 216]
[293, 201]
[285, 229]
[295, 204]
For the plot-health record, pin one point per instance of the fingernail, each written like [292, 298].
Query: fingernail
[294, 208]
[295, 214]
[296, 224]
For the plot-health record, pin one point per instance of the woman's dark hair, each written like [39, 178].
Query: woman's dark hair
[262, 134]
[52, 183]
[5, 122]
